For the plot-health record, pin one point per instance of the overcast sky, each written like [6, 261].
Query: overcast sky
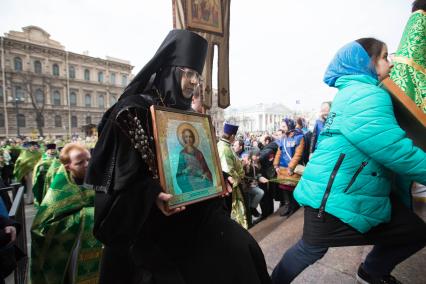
[279, 49]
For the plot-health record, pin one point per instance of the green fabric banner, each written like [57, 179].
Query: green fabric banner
[25, 163]
[409, 71]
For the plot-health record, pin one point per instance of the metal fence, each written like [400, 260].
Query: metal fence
[17, 213]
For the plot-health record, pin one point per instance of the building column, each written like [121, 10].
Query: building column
[5, 93]
[260, 120]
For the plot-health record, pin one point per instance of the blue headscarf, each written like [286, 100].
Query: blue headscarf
[291, 124]
[351, 59]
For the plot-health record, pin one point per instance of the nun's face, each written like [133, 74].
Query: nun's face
[190, 80]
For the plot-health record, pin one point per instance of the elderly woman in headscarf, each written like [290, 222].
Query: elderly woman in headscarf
[288, 156]
[144, 241]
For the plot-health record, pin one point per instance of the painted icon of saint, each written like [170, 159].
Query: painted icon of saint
[193, 172]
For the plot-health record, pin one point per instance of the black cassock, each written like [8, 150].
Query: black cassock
[198, 245]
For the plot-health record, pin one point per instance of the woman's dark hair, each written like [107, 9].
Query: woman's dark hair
[372, 46]
[291, 124]
[300, 121]
[268, 138]
[419, 5]
[241, 143]
[254, 152]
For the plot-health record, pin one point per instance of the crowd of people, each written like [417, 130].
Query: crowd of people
[63, 247]
[272, 163]
[102, 214]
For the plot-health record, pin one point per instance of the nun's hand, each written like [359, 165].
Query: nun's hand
[230, 180]
[228, 190]
[161, 200]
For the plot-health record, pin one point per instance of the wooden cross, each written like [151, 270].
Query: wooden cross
[223, 92]
[207, 90]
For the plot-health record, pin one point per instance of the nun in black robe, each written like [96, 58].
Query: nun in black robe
[200, 244]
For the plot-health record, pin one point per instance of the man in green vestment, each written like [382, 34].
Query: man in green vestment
[40, 171]
[50, 174]
[64, 249]
[409, 70]
[24, 167]
[234, 173]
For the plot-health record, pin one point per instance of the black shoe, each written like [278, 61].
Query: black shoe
[254, 212]
[364, 278]
[289, 211]
[284, 211]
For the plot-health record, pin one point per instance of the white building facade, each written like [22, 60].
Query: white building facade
[259, 117]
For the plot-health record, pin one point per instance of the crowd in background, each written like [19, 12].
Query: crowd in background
[271, 162]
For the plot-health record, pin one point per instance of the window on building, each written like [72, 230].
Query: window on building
[86, 74]
[71, 72]
[39, 96]
[124, 80]
[21, 120]
[19, 93]
[100, 77]
[2, 120]
[74, 121]
[73, 99]
[112, 79]
[113, 99]
[1, 94]
[55, 69]
[56, 98]
[101, 101]
[37, 67]
[88, 100]
[17, 62]
[88, 120]
[58, 121]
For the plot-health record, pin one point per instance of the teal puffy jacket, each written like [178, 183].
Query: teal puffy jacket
[362, 126]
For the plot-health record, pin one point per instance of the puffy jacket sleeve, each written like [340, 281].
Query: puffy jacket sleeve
[369, 123]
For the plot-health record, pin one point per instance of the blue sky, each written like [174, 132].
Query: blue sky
[279, 49]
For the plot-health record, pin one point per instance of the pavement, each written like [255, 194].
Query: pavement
[276, 234]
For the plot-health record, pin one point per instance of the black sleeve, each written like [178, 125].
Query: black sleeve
[127, 212]
[313, 139]
[5, 222]
[121, 213]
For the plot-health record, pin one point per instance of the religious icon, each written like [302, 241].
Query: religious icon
[187, 157]
[204, 15]
[193, 172]
[410, 117]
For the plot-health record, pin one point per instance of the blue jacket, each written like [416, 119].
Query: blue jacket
[290, 144]
[361, 133]
[361, 125]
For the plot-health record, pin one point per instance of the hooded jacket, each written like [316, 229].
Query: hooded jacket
[361, 128]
